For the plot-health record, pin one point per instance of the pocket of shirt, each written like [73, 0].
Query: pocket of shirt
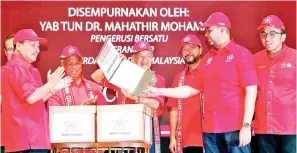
[286, 74]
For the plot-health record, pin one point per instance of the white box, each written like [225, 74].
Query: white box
[129, 122]
[72, 123]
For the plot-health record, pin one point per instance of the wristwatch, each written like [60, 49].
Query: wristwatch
[246, 125]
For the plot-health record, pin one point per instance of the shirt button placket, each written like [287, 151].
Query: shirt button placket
[269, 97]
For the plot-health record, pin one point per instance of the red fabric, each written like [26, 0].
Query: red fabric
[225, 75]
[191, 111]
[79, 93]
[28, 127]
[276, 103]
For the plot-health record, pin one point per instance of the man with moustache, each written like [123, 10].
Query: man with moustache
[229, 84]
[142, 55]
[23, 97]
[275, 113]
[81, 91]
[186, 135]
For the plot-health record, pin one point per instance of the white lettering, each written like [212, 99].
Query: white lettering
[131, 26]
[93, 26]
[112, 38]
[48, 26]
[180, 26]
[112, 12]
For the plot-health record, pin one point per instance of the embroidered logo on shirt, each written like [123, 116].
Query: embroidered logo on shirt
[229, 58]
[208, 61]
[286, 65]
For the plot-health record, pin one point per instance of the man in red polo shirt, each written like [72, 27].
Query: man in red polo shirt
[186, 135]
[81, 91]
[229, 83]
[8, 50]
[142, 55]
[275, 114]
[23, 97]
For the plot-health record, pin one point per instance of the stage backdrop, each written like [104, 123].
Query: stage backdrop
[87, 24]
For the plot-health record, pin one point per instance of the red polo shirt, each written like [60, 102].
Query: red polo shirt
[225, 75]
[27, 123]
[191, 111]
[276, 102]
[4, 77]
[161, 83]
[79, 93]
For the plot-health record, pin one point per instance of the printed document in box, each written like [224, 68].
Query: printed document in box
[121, 72]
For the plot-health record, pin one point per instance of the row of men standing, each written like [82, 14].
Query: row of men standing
[239, 92]
[229, 74]
[24, 115]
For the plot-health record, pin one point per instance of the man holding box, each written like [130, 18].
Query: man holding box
[142, 55]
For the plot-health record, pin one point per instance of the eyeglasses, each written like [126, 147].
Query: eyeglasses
[271, 34]
[10, 49]
[142, 57]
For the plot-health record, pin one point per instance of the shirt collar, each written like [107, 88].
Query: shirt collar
[228, 48]
[19, 59]
[83, 82]
[192, 72]
[280, 56]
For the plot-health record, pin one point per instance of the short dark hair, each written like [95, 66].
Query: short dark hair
[7, 38]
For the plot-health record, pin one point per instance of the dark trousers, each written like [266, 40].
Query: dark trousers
[193, 149]
[2, 149]
[224, 143]
[270, 143]
[33, 151]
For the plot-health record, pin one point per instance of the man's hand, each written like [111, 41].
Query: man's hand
[122, 56]
[56, 76]
[172, 145]
[90, 101]
[65, 82]
[127, 94]
[152, 92]
[245, 136]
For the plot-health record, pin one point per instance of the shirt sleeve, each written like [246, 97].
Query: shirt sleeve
[55, 100]
[23, 82]
[246, 69]
[173, 102]
[104, 83]
[199, 75]
[161, 83]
